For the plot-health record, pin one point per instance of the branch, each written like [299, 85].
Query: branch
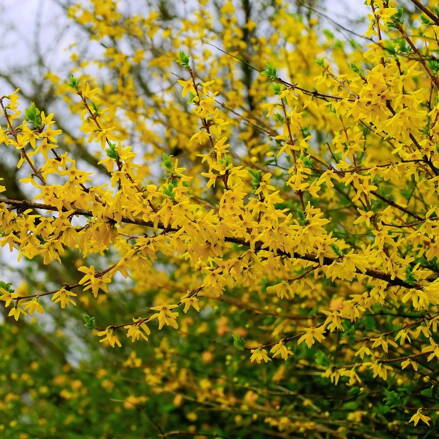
[397, 206]
[258, 246]
[426, 11]
[241, 305]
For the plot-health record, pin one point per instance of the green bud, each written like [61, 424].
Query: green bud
[167, 162]
[89, 321]
[238, 342]
[256, 177]
[33, 116]
[6, 286]
[277, 89]
[279, 118]
[183, 59]
[73, 82]
[112, 151]
[95, 107]
[270, 72]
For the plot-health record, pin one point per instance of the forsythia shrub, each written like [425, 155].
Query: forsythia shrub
[245, 208]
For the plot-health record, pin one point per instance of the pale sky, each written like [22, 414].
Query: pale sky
[31, 24]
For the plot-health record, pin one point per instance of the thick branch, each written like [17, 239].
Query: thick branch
[426, 11]
[394, 281]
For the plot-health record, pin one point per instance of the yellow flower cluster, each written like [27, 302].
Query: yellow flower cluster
[255, 177]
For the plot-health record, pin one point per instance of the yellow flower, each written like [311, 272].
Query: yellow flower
[132, 401]
[138, 331]
[311, 335]
[7, 296]
[165, 316]
[228, 8]
[16, 312]
[132, 361]
[259, 355]
[190, 302]
[64, 297]
[108, 337]
[33, 306]
[418, 416]
[93, 280]
[187, 86]
[280, 350]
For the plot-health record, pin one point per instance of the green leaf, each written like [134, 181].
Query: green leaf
[426, 21]
[95, 107]
[306, 132]
[191, 97]
[279, 118]
[307, 161]
[89, 321]
[112, 151]
[434, 65]
[321, 359]
[167, 407]
[402, 45]
[355, 68]
[388, 45]
[328, 34]
[238, 342]
[351, 405]
[169, 191]
[354, 44]
[183, 59]
[256, 177]
[226, 161]
[381, 409]
[166, 161]
[277, 89]
[6, 286]
[409, 276]
[394, 399]
[369, 323]
[270, 72]
[398, 16]
[33, 116]
[300, 215]
[355, 391]
[337, 251]
[73, 82]
[427, 392]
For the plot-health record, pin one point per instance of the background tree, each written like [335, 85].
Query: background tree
[243, 203]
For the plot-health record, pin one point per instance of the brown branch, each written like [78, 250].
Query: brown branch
[258, 246]
[408, 357]
[426, 11]
[241, 305]
[397, 206]
[95, 118]
[292, 142]
[313, 93]
[23, 153]
[142, 320]
[415, 50]
[48, 293]
[203, 120]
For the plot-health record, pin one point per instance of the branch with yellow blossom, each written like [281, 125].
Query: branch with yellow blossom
[258, 246]
[23, 153]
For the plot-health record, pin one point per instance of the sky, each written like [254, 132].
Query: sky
[33, 25]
